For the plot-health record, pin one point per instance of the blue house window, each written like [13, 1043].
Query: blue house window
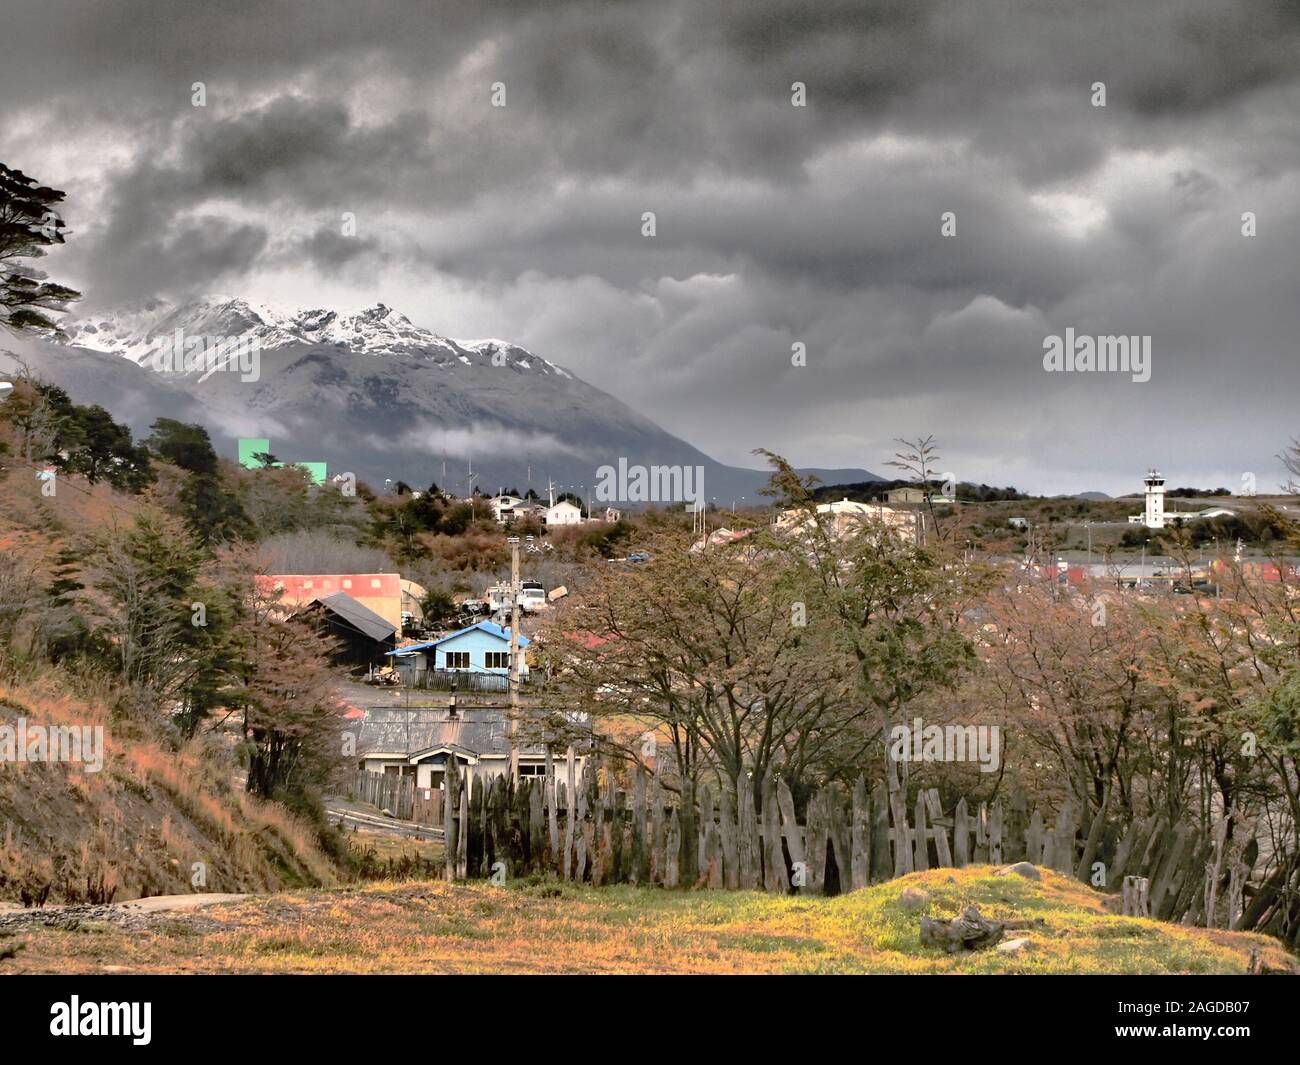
[458, 660]
[496, 659]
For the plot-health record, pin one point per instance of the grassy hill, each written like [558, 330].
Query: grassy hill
[553, 928]
[138, 826]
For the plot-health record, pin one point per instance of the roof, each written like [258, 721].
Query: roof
[491, 628]
[395, 730]
[359, 617]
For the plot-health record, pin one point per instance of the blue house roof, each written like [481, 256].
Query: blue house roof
[491, 628]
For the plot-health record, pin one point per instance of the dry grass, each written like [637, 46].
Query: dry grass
[551, 928]
[139, 825]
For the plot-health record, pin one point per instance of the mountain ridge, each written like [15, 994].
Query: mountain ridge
[372, 393]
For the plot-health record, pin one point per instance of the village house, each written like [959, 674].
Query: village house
[482, 651]
[564, 513]
[847, 516]
[423, 743]
[503, 507]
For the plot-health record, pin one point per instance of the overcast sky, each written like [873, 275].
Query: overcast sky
[775, 224]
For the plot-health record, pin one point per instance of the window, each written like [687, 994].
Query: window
[496, 659]
[347, 582]
[535, 770]
[375, 582]
[457, 659]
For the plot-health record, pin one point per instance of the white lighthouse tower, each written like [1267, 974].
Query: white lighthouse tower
[1155, 509]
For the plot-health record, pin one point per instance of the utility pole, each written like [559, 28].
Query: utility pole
[515, 590]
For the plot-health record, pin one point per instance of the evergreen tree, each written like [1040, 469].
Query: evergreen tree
[28, 225]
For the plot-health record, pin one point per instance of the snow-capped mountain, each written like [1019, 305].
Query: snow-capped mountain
[379, 330]
[374, 394]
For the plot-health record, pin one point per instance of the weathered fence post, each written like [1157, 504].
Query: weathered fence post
[995, 833]
[921, 837]
[462, 819]
[705, 823]
[775, 877]
[672, 851]
[790, 829]
[658, 830]
[814, 839]
[730, 851]
[882, 860]
[640, 853]
[566, 865]
[552, 814]
[1034, 838]
[689, 860]
[935, 809]
[581, 831]
[451, 823]
[961, 835]
[859, 863]
[747, 828]
[1136, 897]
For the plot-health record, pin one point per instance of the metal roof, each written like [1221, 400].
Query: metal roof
[360, 617]
[396, 730]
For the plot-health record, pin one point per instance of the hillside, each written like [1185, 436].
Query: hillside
[529, 927]
[137, 826]
[135, 818]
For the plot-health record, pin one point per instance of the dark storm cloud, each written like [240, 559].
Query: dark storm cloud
[775, 224]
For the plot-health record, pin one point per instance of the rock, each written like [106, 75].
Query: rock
[913, 898]
[1012, 946]
[1025, 869]
[970, 931]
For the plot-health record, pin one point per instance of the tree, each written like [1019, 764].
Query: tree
[704, 647]
[213, 511]
[28, 225]
[101, 449]
[145, 582]
[186, 446]
[895, 607]
[920, 459]
[438, 607]
[284, 697]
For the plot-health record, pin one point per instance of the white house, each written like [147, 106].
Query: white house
[564, 513]
[847, 516]
[503, 507]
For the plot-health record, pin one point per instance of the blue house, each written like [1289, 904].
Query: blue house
[482, 650]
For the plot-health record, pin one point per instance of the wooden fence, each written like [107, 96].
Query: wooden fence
[848, 839]
[400, 797]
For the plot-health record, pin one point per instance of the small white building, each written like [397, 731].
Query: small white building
[847, 516]
[503, 507]
[564, 513]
